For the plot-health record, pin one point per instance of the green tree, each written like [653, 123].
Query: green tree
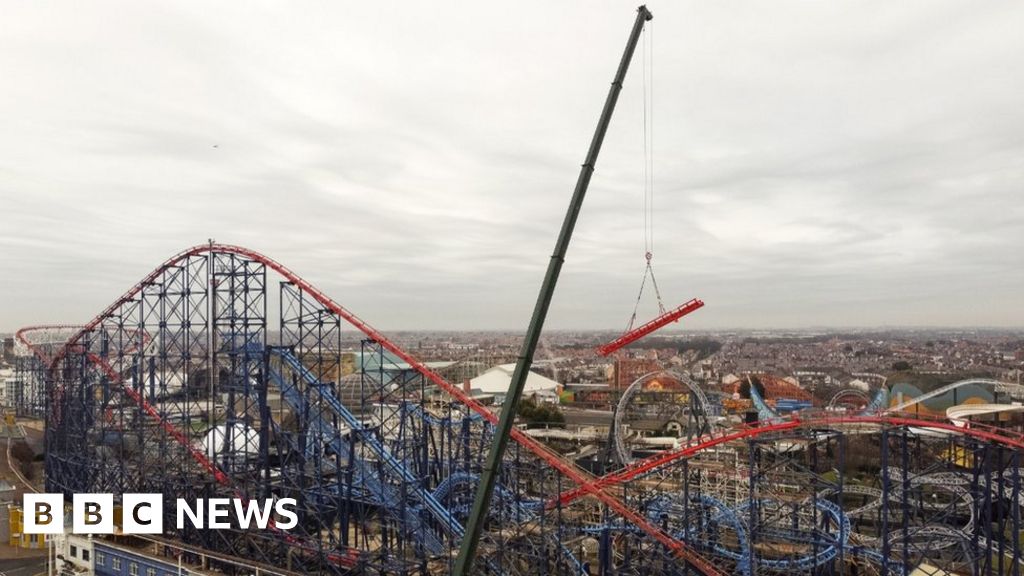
[537, 414]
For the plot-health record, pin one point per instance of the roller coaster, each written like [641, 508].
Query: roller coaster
[384, 462]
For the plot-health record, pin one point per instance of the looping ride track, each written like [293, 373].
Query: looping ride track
[382, 453]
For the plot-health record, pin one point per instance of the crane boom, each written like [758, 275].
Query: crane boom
[482, 500]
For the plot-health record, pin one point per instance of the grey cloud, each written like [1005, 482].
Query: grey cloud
[851, 163]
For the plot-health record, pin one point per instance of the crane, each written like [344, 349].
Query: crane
[664, 317]
[482, 500]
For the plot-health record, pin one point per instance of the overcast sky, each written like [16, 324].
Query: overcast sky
[816, 163]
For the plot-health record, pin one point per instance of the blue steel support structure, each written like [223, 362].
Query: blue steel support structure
[181, 388]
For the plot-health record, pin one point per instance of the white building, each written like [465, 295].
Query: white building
[8, 387]
[496, 380]
[858, 384]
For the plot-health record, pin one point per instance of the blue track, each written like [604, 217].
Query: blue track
[388, 494]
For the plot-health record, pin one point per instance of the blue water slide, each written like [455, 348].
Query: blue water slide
[878, 403]
[764, 411]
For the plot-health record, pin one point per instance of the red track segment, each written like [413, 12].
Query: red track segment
[651, 463]
[587, 486]
[638, 333]
[22, 336]
[148, 408]
[348, 559]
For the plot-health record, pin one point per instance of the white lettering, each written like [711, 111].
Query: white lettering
[252, 510]
[196, 516]
[218, 508]
[281, 507]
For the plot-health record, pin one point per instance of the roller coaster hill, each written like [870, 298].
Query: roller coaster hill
[384, 462]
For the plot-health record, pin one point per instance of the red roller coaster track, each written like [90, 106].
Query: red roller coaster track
[35, 347]
[647, 465]
[347, 559]
[587, 486]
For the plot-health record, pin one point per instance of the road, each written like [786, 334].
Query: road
[587, 417]
[23, 566]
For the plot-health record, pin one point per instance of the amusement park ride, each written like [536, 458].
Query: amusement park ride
[396, 469]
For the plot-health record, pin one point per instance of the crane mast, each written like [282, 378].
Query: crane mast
[482, 500]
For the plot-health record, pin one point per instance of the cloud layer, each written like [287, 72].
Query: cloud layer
[855, 163]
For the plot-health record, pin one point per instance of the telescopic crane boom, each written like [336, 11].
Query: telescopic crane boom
[482, 500]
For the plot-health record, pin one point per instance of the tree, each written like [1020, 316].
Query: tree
[22, 452]
[901, 366]
[540, 414]
[24, 455]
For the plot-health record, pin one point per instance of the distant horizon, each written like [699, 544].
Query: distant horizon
[676, 332]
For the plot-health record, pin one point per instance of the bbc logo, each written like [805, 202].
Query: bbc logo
[93, 514]
[144, 513]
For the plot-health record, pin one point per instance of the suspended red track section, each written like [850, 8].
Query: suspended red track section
[660, 322]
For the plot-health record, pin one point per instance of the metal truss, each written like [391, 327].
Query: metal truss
[193, 385]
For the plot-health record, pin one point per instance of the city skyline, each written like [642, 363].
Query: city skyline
[815, 166]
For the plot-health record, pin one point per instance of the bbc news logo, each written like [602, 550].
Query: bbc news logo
[144, 513]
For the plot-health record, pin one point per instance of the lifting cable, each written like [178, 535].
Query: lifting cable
[647, 49]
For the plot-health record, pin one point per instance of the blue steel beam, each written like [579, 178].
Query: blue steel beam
[385, 493]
